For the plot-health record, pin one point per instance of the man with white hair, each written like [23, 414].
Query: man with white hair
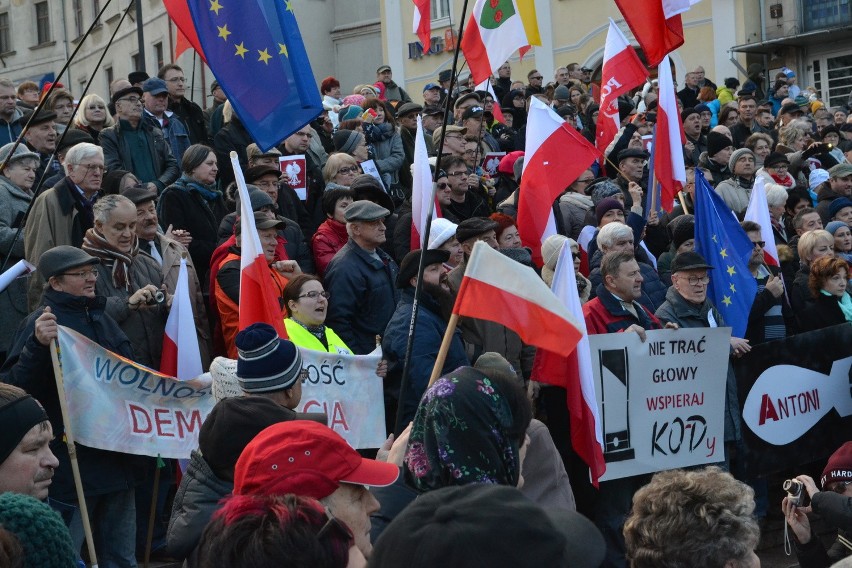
[62, 215]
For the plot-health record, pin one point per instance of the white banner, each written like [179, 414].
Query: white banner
[661, 402]
[116, 404]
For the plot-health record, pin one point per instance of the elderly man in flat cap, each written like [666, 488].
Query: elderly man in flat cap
[360, 279]
[110, 478]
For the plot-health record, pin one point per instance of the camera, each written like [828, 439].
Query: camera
[796, 493]
[157, 298]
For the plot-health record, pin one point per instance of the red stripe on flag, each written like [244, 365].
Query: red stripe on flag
[258, 302]
[656, 34]
[475, 52]
[424, 27]
[169, 357]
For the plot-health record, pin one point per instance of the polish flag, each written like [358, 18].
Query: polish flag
[758, 212]
[496, 111]
[622, 71]
[555, 156]
[187, 36]
[656, 24]
[421, 191]
[423, 22]
[574, 373]
[258, 297]
[498, 289]
[668, 153]
[181, 357]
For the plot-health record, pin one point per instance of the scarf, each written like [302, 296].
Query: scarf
[786, 180]
[186, 183]
[96, 245]
[459, 435]
[845, 303]
[378, 132]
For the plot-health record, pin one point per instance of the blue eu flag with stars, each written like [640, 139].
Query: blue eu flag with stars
[720, 239]
[256, 52]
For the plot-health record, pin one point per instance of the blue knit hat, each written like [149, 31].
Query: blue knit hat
[40, 530]
[838, 204]
[834, 226]
[266, 362]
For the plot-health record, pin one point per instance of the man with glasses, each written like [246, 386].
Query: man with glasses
[135, 145]
[534, 80]
[453, 137]
[464, 203]
[771, 315]
[187, 111]
[110, 478]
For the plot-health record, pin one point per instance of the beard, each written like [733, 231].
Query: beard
[442, 296]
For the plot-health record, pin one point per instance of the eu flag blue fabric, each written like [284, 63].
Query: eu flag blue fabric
[722, 242]
[256, 52]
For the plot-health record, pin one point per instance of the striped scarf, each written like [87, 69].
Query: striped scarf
[96, 245]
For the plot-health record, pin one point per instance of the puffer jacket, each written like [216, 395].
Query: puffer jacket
[13, 301]
[329, 238]
[573, 208]
[736, 192]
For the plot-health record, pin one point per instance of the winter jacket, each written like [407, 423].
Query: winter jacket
[428, 333]
[29, 366]
[174, 132]
[688, 315]
[835, 510]
[736, 192]
[118, 155]
[825, 195]
[725, 95]
[10, 130]
[653, 289]
[290, 237]
[364, 295]
[605, 314]
[573, 208]
[191, 115]
[329, 238]
[822, 311]
[14, 201]
[389, 157]
[231, 137]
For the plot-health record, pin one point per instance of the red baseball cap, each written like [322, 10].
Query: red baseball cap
[305, 458]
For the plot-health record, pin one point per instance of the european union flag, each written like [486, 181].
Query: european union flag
[255, 50]
[722, 242]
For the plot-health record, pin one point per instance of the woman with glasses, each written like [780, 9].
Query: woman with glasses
[93, 116]
[340, 171]
[775, 169]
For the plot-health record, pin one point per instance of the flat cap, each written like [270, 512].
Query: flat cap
[121, 93]
[439, 132]
[473, 227]
[41, 117]
[139, 194]
[409, 265]
[632, 153]
[64, 257]
[445, 75]
[840, 171]
[254, 173]
[408, 108]
[363, 210]
[466, 97]
[433, 110]
[790, 108]
[689, 260]
[261, 221]
[254, 151]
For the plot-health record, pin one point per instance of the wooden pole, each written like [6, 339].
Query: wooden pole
[152, 515]
[442, 352]
[72, 453]
[682, 200]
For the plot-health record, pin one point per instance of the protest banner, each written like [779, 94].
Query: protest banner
[343, 387]
[295, 172]
[661, 401]
[491, 161]
[118, 405]
[796, 399]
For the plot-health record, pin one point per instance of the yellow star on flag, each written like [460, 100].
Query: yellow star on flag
[282, 50]
[289, 6]
[215, 6]
[724, 253]
[734, 290]
[241, 50]
[726, 300]
[731, 270]
[715, 240]
[223, 32]
[264, 56]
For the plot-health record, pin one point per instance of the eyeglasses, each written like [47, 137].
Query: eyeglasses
[696, 280]
[586, 181]
[313, 295]
[83, 273]
[177, 80]
[334, 525]
[784, 167]
[840, 486]
[348, 170]
[537, 77]
[90, 167]
[470, 152]
[131, 100]
[759, 244]
[442, 185]
[456, 174]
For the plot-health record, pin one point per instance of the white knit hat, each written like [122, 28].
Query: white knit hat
[441, 230]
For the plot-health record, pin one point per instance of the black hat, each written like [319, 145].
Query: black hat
[567, 110]
[261, 221]
[790, 108]
[367, 187]
[716, 142]
[445, 75]
[473, 227]
[408, 108]
[347, 140]
[472, 112]
[364, 210]
[43, 116]
[689, 261]
[409, 265]
[829, 129]
[432, 110]
[686, 112]
[254, 173]
[124, 92]
[265, 362]
[632, 153]
[682, 229]
[624, 109]
[775, 158]
[72, 137]
[137, 77]
[139, 194]
[57, 260]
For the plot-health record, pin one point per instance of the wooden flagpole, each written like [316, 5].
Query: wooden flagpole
[72, 452]
[442, 352]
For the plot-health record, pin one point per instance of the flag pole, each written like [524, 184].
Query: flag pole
[445, 347]
[149, 538]
[418, 288]
[72, 452]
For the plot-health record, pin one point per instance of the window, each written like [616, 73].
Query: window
[96, 8]
[109, 75]
[77, 6]
[158, 54]
[5, 35]
[832, 78]
[42, 22]
[136, 63]
[440, 9]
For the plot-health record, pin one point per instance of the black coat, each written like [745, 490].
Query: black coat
[295, 245]
[232, 136]
[193, 117]
[29, 367]
[118, 153]
[823, 311]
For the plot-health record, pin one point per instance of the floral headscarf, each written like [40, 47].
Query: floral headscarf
[460, 434]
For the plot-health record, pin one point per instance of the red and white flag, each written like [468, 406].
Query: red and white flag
[498, 289]
[423, 22]
[258, 296]
[622, 71]
[496, 111]
[555, 156]
[669, 168]
[758, 212]
[421, 190]
[181, 356]
[656, 24]
[574, 373]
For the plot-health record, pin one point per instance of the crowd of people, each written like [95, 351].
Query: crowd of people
[106, 200]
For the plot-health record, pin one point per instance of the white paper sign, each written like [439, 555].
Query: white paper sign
[369, 167]
[17, 270]
[661, 402]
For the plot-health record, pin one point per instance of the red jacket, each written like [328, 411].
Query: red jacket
[605, 314]
[329, 238]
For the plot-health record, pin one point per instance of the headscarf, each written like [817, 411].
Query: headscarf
[460, 434]
[96, 245]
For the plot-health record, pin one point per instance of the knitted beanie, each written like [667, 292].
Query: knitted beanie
[603, 189]
[837, 204]
[683, 229]
[347, 140]
[838, 467]
[40, 530]
[550, 250]
[349, 112]
[817, 177]
[833, 226]
[736, 155]
[441, 230]
[716, 142]
[266, 362]
[607, 204]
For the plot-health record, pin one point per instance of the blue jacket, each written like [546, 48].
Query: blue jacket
[428, 334]
[175, 133]
[363, 295]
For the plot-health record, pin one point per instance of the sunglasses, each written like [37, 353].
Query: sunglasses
[443, 185]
